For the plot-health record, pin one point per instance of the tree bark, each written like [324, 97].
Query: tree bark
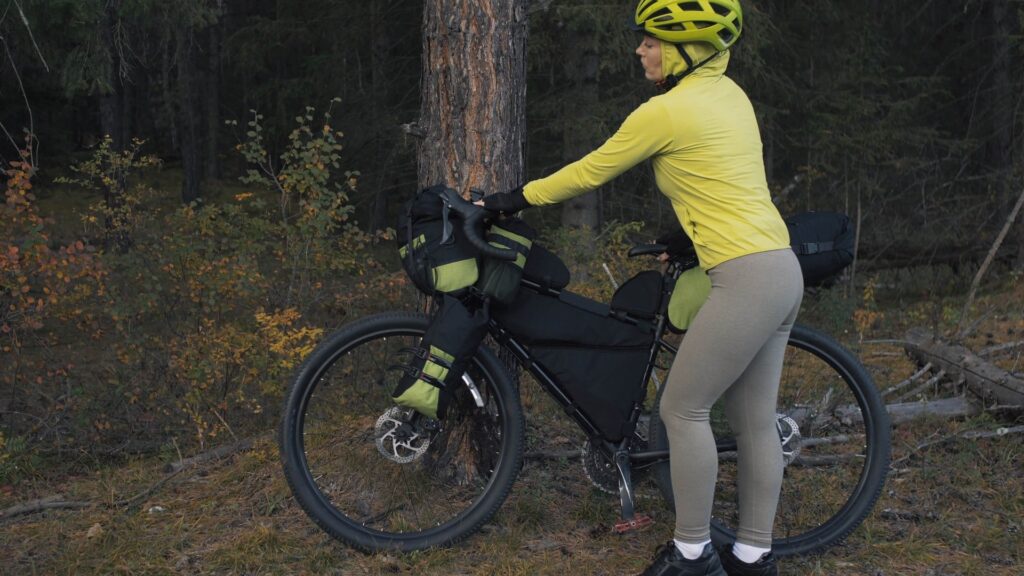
[473, 94]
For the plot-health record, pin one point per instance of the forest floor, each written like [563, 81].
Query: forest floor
[950, 508]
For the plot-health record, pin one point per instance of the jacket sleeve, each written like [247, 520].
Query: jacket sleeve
[646, 132]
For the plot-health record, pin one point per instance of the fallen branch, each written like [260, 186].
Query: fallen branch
[928, 384]
[215, 454]
[955, 407]
[969, 435]
[988, 260]
[983, 378]
[57, 502]
[1000, 348]
[129, 502]
[913, 378]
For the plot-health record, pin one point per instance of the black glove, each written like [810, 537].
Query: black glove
[506, 202]
[677, 241]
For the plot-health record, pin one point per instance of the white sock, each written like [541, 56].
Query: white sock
[747, 553]
[691, 551]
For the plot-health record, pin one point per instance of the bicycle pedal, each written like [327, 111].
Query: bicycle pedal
[639, 522]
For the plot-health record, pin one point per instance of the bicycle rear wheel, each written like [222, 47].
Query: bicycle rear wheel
[837, 449]
[380, 477]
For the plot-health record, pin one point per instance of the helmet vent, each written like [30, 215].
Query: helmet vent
[694, 6]
[720, 10]
[663, 14]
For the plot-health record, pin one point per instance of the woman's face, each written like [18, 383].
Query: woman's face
[649, 52]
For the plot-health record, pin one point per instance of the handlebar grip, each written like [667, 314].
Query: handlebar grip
[472, 215]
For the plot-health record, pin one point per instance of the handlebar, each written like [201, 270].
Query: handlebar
[472, 215]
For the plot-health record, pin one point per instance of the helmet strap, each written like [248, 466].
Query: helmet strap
[672, 81]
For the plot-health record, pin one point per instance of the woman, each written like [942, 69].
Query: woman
[702, 138]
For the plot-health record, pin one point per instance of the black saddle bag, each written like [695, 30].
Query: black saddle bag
[823, 242]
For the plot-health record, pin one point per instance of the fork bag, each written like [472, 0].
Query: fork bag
[438, 363]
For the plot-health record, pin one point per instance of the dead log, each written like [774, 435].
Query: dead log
[849, 414]
[946, 407]
[55, 502]
[986, 380]
[210, 455]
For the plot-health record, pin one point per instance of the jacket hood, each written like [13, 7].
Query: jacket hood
[672, 62]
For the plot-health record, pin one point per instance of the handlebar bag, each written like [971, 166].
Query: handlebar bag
[597, 360]
[500, 278]
[434, 250]
[823, 242]
[438, 363]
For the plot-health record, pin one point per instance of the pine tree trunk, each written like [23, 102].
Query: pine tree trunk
[188, 116]
[579, 138]
[473, 94]
[111, 109]
[379, 52]
[1000, 144]
[212, 91]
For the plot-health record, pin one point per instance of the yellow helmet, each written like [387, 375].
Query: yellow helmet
[717, 22]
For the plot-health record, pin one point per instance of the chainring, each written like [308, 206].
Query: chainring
[602, 472]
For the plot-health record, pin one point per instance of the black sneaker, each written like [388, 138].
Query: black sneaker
[765, 565]
[670, 562]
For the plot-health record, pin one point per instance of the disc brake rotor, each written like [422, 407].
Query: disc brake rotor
[789, 435]
[397, 439]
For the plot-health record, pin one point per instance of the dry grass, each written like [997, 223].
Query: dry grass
[959, 506]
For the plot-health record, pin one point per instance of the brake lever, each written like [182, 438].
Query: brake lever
[447, 233]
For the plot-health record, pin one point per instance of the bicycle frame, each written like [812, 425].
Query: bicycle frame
[618, 453]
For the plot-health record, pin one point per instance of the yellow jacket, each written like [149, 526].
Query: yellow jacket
[704, 144]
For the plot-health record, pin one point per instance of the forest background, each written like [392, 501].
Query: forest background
[197, 190]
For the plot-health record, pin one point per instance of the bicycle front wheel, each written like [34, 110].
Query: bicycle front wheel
[380, 477]
[836, 443]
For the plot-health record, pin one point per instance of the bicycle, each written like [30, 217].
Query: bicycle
[377, 476]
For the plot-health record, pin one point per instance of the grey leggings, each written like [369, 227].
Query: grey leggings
[734, 346]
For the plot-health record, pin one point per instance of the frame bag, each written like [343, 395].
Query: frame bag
[597, 359]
